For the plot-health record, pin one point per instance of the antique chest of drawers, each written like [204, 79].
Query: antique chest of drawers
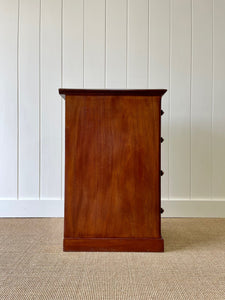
[112, 170]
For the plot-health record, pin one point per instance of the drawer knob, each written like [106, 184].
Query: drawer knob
[162, 139]
[162, 112]
[161, 173]
[161, 210]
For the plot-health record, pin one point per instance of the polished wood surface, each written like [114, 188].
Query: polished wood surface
[112, 92]
[112, 170]
[114, 244]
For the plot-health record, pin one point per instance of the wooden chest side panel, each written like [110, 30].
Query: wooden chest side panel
[112, 172]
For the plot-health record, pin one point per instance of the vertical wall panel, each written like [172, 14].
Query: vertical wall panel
[29, 99]
[116, 12]
[50, 100]
[137, 59]
[159, 14]
[94, 43]
[219, 101]
[73, 43]
[72, 51]
[179, 143]
[8, 99]
[201, 100]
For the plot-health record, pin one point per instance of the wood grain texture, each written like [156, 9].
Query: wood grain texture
[112, 168]
[114, 244]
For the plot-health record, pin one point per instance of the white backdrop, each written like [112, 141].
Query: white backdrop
[174, 44]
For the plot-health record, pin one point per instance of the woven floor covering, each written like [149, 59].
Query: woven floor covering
[33, 265]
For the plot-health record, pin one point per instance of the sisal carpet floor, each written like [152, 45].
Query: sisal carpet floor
[33, 265]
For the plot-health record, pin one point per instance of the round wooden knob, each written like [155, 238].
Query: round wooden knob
[162, 139]
[161, 173]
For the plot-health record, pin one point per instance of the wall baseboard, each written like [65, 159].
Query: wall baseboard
[55, 208]
[194, 208]
[31, 208]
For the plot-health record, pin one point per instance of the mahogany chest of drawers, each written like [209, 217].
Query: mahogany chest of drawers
[112, 170]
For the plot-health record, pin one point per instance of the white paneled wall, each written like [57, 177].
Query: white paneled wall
[218, 100]
[159, 72]
[9, 99]
[28, 100]
[174, 44]
[201, 99]
[137, 44]
[180, 100]
[50, 105]
[116, 44]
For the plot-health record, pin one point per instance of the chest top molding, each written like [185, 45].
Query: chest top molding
[112, 92]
